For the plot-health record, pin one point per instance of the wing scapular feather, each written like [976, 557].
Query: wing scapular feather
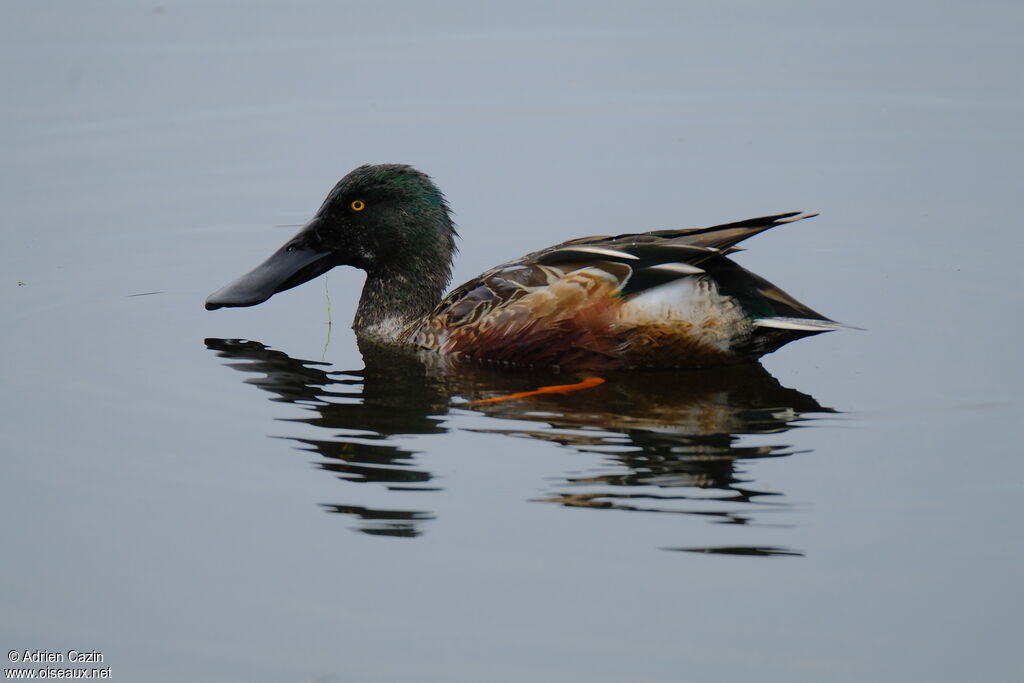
[584, 253]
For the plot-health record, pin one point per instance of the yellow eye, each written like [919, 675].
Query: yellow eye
[358, 205]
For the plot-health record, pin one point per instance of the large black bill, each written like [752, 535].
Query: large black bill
[288, 267]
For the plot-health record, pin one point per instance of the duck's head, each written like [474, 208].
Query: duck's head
[388, 219]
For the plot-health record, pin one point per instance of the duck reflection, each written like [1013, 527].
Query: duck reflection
[668, 442]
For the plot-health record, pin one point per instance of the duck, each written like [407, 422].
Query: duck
[653, 300]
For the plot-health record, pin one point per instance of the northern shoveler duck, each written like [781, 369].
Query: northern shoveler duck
[662, 299]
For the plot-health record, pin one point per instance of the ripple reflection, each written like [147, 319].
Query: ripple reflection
[664, 442]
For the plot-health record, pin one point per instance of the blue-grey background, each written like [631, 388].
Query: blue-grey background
[159, 147]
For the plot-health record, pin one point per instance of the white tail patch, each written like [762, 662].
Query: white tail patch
[805, 324]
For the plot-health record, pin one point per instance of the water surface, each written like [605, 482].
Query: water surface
[249, 495]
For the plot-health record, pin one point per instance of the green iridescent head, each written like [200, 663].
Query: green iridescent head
[387, 219]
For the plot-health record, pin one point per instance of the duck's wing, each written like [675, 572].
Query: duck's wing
[569, 295]
[637, 261]
[664, 255]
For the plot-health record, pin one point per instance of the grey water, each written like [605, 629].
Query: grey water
[251, 495]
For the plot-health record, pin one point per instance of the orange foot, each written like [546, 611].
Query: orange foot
[553, 389]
